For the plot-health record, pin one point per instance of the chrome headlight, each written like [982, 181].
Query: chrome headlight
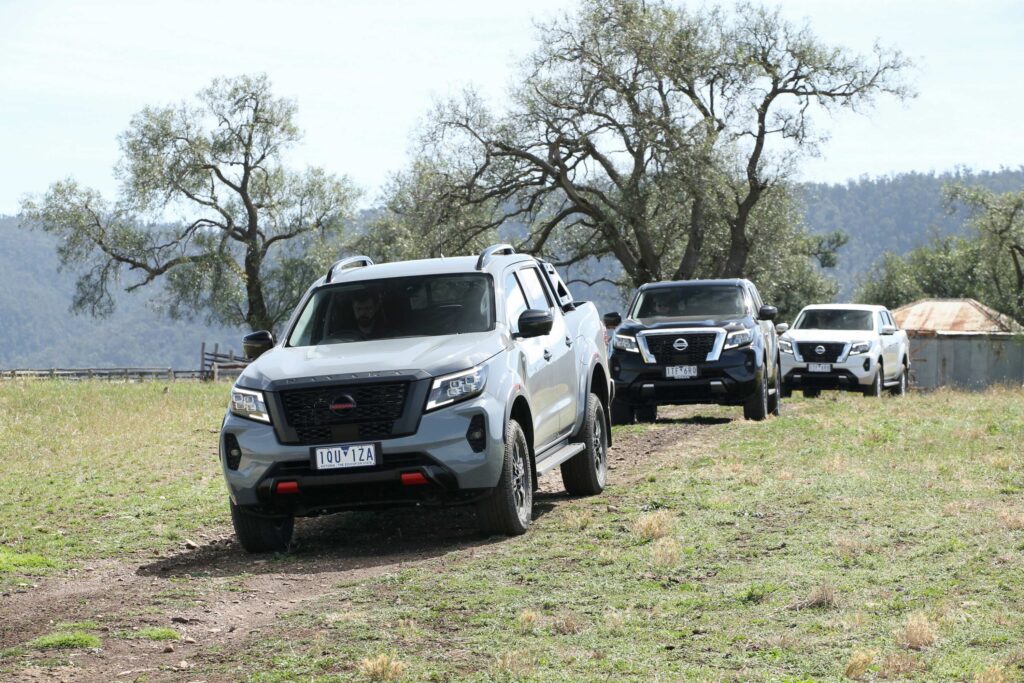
[624, 343]
[249, 404]
[739, 338]
[785, 346]
[456, 387]
[859, 348]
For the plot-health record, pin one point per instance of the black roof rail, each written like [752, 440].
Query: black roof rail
[349, 262]
[492, 250]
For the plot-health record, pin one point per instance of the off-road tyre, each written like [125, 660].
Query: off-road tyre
[903, 387]
[877, 387]
[756, 407]
[262, 534]
[585, 473]
[812, 393]
[508, 509]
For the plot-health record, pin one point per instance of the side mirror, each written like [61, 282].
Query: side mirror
[767, 313]
[612, 320]
[535, 323]
[781, 328]
[256, 344]
[888, 329]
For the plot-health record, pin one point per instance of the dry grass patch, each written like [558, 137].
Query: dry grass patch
[1011, 519]
[898, 665]
[567, 625]
[527, 621]
[614, 621]
[513, 663]
[917, 633]
[992, 674]
[822, 597]
[666, 553]
[858, 663]
[654, 525]
[381, 668]
[850, 547]
[578, 519]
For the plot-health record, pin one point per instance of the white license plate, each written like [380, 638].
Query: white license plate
[681, 371]
[345, 455]
[819, 367]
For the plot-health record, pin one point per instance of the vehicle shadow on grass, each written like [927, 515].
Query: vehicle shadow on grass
[348, 541]
[695, 420]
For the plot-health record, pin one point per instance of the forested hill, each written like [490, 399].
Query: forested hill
[896, 214]
[38, 331]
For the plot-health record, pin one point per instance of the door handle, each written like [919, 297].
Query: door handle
[547, 355]
[568, 341]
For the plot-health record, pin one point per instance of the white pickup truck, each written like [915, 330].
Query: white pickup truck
[851, 347]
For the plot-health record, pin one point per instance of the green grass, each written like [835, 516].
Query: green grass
[97, 470]
[65, 640]
[803, 540]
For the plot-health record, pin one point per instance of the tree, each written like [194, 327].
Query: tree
[649, 133]
[998, 222]
[253, 234]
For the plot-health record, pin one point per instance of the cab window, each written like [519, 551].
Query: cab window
[536, 295]
[515, 302]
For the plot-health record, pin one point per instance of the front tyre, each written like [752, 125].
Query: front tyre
[812, 393]
[508, 509]
[262, 534]
[876, 388]
[756, 407]
[585, 473]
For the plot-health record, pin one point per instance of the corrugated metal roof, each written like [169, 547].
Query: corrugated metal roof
[952, 315]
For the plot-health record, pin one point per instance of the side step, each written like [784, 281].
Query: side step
[556, 458]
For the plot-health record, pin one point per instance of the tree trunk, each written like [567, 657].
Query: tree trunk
[695, 242]
[257, 316]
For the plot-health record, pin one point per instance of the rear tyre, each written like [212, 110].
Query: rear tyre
[259, 534]
[646, 413]
[585, 473]
[787, 391]
[876, 388]
[756, 407]
[622, 413]
[903, 387]
[812, 393]
[508, 509]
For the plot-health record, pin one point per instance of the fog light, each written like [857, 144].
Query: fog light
[476, 435]
[232, 452]
[867, 364]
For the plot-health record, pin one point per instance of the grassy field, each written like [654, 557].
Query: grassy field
[849, 539]
[94, 470]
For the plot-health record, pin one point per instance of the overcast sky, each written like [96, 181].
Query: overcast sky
[364, 72]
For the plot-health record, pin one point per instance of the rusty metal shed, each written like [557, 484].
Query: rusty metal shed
[962, 343]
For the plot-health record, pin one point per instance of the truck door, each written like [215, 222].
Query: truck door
[556, 385]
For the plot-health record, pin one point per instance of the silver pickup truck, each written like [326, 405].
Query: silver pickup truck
[440, 381]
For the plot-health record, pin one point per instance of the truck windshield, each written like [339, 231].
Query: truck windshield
[396, 307]
[834, 319]
[688, 301]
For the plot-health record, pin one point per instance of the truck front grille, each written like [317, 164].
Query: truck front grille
[698, 346]
[830, 354]
[344, 412]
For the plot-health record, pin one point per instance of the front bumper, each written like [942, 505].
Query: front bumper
[854, 373]
[729, 381]
[439, 451]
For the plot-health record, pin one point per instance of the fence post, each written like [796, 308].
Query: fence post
[202, 357]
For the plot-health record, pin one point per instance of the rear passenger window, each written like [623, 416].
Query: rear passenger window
[536, 295]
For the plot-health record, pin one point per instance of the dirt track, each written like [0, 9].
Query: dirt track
[216, 595]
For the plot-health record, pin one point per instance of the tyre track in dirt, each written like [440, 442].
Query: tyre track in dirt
[217, 596]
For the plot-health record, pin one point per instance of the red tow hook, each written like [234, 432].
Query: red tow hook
[286, 488]
[414, 479]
